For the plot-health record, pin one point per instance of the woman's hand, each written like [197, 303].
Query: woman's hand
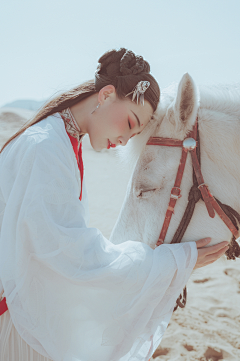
[209, 254]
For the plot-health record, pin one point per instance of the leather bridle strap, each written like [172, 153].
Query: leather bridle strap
[201, 185]
[165, 141]
[176, 191]
[224, 217]
[189, 144]
[175, 194]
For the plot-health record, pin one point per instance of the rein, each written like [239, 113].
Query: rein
[198, 191]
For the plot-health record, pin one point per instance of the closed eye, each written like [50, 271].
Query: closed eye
[129, 124]
[146, 192]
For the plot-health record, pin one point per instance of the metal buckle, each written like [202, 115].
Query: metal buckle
[176, 196]
[202, 185]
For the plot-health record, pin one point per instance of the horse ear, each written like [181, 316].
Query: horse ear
[186, 102]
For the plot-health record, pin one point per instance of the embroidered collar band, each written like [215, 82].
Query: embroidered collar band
[71, 125]
[75, 135]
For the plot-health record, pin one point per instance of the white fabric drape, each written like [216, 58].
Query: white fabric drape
[72, 295]
[12, 346]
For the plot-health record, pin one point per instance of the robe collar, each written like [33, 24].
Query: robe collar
[71, 125]
[75, 135]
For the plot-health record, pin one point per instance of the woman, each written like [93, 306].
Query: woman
[69, 294]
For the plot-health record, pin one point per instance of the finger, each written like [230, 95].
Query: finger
[215, 256]
[212, 249]
[203, 242]
[215, 248]
[212, 260]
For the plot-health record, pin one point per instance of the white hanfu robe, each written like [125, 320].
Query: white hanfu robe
[72, 295]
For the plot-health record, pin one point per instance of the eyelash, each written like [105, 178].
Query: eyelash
[129, 124]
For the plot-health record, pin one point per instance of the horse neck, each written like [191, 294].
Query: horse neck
[219, 139]
[220, 153]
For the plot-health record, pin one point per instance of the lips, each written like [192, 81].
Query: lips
[110, 145]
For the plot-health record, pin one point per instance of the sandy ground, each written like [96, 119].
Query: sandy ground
[208, 329]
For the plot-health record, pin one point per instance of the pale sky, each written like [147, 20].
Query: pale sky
[48, 46]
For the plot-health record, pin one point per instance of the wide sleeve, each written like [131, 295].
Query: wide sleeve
[73, 295]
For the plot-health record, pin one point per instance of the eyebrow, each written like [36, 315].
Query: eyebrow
[136, 118]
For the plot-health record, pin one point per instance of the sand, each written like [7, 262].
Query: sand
[208, 329]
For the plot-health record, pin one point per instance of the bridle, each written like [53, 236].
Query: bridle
[199, 190]
[189, 144]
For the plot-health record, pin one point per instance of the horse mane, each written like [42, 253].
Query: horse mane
[222, 98]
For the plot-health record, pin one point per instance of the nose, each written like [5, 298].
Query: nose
[123, 140]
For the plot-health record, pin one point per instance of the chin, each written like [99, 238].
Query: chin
[97, 141]
[96, 147]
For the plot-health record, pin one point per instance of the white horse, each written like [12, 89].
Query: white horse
[147, 198]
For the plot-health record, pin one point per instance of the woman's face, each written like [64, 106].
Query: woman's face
[116, 121]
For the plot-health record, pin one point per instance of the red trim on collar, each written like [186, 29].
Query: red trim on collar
[78, 155]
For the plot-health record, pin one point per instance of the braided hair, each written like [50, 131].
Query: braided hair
[123, 69]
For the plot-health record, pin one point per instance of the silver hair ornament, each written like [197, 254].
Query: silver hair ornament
[139, 91]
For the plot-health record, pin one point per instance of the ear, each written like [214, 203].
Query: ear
[186, 103]
[107, 93]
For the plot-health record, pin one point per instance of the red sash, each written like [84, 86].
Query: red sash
[3, 306]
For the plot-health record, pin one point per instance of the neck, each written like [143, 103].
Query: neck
[82, 111]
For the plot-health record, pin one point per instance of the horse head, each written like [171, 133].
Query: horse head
[144, 208]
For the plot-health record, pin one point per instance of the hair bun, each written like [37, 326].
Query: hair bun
[124, 70]
[121, 62]
[109, 63]
[133, 64]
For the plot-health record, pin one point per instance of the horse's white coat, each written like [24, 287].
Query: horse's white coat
[146, 201]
